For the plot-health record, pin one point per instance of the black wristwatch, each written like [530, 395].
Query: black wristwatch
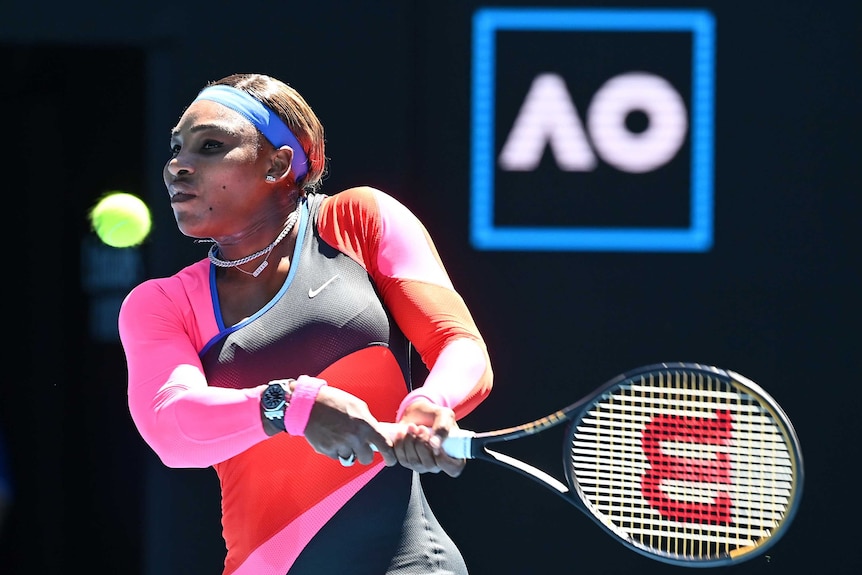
[273, 402]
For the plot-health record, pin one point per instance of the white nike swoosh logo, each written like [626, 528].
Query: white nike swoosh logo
[314, 292]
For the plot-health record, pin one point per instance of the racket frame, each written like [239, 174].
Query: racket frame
[474, 445]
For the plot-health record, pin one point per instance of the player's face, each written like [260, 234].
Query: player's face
[216, 174]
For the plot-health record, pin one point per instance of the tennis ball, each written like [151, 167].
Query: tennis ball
[121, 220]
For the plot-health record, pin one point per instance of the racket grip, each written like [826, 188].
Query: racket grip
[459, 444]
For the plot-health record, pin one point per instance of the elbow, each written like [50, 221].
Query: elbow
[478, 394]
[173, 448]
[175, 454]
[169, 460]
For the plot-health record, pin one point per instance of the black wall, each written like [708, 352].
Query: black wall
[91, 93]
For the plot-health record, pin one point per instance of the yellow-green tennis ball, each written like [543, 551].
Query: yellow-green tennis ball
[121, 220]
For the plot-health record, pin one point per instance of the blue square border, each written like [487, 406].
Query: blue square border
[484, 235]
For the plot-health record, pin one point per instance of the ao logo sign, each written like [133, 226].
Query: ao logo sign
[549, 117]
[591, 133]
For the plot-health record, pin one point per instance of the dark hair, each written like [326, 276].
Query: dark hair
[289, 104]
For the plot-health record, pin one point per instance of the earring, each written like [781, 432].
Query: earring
[270, 178]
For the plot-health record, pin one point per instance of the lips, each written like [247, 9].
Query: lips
[179, 193]
[180, 198]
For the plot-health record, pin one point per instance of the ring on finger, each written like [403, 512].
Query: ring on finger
[347, 461]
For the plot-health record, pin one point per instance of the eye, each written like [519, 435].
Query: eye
[211, 145]
[175, 149]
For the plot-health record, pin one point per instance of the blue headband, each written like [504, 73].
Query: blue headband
[264, 119]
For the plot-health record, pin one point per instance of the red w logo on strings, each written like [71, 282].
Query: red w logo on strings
[714, 468]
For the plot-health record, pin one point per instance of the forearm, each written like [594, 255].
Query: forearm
[460, 379]
[189, 424]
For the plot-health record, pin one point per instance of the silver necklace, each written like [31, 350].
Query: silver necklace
[288, 226]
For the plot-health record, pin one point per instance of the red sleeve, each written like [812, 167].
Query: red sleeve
[394, 247]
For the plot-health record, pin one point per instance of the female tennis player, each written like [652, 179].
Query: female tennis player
[275, 359]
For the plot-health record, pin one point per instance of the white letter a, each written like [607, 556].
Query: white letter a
[547, 116]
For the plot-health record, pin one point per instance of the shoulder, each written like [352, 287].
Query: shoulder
[364, 203]
[352, 199]
[171, 309]
[181, 288]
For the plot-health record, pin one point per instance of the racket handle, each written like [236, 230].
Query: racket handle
[459, 444]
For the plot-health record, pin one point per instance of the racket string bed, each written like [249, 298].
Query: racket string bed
[683, 464]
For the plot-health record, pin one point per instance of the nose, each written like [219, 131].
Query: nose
[176, 167]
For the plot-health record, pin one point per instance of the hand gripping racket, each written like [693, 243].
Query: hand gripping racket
[685, 463]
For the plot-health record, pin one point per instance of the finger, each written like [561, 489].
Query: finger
[451, 466]
[388, 431]
[426, 457]
[387, 452]
[347, 461]
[405, 450]
[414, 453]
[365, 453]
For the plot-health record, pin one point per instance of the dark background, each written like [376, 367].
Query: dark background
[90, 91]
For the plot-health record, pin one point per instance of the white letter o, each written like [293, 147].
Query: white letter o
[665, 133]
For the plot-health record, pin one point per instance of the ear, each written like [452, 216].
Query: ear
[280, 164]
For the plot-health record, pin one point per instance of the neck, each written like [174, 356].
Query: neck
[288, 227]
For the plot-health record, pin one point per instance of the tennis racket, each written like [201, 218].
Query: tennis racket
[684, 463]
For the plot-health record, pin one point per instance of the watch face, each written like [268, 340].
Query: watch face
[273, 397]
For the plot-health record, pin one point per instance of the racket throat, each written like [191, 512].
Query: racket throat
[550, 481]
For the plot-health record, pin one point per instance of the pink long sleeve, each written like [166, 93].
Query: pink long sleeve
[185, 421]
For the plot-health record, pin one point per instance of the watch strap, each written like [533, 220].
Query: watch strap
[273, 416]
